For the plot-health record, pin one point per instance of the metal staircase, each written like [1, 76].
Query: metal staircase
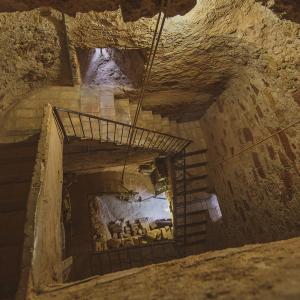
[189, 173]
[76, 125]
[190, 220]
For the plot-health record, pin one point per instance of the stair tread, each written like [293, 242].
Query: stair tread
[202, 211]
[191, 166]
[193, 178]
[12, 227]
[196, 152]
[193, 191]
[191, 234]
[188, 202]
[13, 190]
[190, 224]
[12, 205]
[191, 243]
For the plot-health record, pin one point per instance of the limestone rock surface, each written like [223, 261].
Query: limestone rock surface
[199, 53]
[131, 10]
[266, 271]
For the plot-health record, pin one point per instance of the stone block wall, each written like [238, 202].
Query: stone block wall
[42, 251]
[25, 118]
[252, 132]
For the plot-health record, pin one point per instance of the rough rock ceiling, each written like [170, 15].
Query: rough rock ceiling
[289, 9]
[131, 10]
[199, 53]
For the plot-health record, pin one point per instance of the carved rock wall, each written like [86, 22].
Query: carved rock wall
[131, 10]
[252, 133]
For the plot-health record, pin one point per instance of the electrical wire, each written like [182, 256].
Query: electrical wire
[146, 77]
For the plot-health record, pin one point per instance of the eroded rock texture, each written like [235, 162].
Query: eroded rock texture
[267, 271]
[33, 52]
[198, 55]
[235, 64]
[131, 10]
[289, 9]
[252, 135]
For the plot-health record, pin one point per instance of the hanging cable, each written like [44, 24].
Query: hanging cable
[146, 77]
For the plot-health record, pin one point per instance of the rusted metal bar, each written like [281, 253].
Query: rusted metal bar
[113, 121]
[57, 116]
[91, 128]
[81, 126]
[99, 125]
[141, 137]
[107, 131]
[161, 141]
[166, 143]
[171, 145]
[149, 146]
[72, 124]
[122, 134]
[158, 140]
[146, 138]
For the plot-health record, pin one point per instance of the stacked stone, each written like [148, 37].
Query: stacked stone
[138, 232]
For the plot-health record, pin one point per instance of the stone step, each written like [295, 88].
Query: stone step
[157, 122]
[165, 123]
[173, 128]
[122, 111]
[133, 107]
[192, 130]
[148, 119]
[107, 103]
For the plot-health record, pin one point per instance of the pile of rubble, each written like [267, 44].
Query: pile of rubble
[136, 233]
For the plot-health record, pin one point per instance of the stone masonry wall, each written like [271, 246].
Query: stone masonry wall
[42, 252]
[256, 177]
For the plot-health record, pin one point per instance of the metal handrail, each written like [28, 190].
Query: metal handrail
[162, 142]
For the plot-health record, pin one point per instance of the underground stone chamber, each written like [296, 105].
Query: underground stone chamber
[208, 206]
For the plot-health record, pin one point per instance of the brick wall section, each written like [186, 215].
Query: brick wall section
[258, 189]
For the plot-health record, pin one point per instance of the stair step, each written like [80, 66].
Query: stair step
[196, 165]
[10, 257]
[193, 178]
[193, 191]
[12, 191]
[13, 205]
[157, 122]
[148, 119]
[107, 103]
[189, 203]
[190, 224]
[122, 108]
[187, 243]
[11, 227]
[165, 123]
[192, 153]
[202, 211]
[191, 234]
[173, 128]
